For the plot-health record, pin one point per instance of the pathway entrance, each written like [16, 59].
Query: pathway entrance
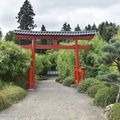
[52, 101]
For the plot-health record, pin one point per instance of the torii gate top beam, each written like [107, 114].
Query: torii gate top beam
[77, 35]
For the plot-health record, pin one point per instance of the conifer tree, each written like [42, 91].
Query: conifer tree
[43, 28]
[25, 16]
[77, 28]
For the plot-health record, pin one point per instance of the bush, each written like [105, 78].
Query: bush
[14, 62]
[59, 79]
[93, 89]
[40, 77]
[68, 81]
[114, 113]
[106, 96]
[84, 85]
[10, 95]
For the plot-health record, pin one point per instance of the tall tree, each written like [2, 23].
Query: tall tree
[43, 28]
[66, 27]
[0, 33]
[77, 28]
[111, 57]
[94, 27]
[88, 27]
[10, 36]
[107, 30]
[26, 16]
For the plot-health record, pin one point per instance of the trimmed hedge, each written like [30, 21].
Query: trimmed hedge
[10, 95]
[84, 85]
[106, 96]
[68, 81]
[93, 89]
[114, 113]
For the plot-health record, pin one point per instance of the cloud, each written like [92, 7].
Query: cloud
[53, 13]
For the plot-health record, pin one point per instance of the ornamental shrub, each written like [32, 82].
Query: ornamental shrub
[14, 62]
[93, 89]
[106, 96]
[84, 85]
[114, 113]
[68, 81]
[10, 95]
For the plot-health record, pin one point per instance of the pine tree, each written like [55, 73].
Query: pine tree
[77, 28]
[25, 17]
[0, 33]
[107, 30]
[43, 28]
[66, 27]
[94, 27]
[88, 27]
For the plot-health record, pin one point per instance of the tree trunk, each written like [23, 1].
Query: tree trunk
[118, 96]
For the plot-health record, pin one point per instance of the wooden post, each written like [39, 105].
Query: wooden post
[33, 62]
[77, 62]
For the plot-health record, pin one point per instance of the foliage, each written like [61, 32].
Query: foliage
[111, 56]
[114, 113]
[106, 96]
[14, 62]
[66, 27]
[93, 89]
[0, 33]
[59, 80]
[43, 28]
[52, 56]
[10, 36]
[40, 77]
[84, 85]
[68, 81]
[10, 95]
[65, 63]
[77, 28]
[91, 27]
[46, 65]
[107, 30]
[38, 64]
[25, 16]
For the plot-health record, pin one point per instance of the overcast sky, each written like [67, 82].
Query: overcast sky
[53, 13]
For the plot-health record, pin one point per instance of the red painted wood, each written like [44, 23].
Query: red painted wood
[85, 37]
[77, 62]
[86, 47]
[79, 72]
[33, 61]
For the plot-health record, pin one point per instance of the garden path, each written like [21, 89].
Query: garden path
[52, 101]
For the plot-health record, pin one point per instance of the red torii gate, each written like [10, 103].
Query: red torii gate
[56, 36]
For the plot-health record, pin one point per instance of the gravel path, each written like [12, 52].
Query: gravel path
[52, 101]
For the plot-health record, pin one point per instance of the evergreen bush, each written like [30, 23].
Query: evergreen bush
[84, 85]
[106, 96]
[114, 113]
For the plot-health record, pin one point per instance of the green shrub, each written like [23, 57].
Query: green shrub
[84, 85]
[106, 96]
[114, 113]
[93, 89]
[68, 81]
[14, 62]
[10, 95]
[40, 77]
[59, 79]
